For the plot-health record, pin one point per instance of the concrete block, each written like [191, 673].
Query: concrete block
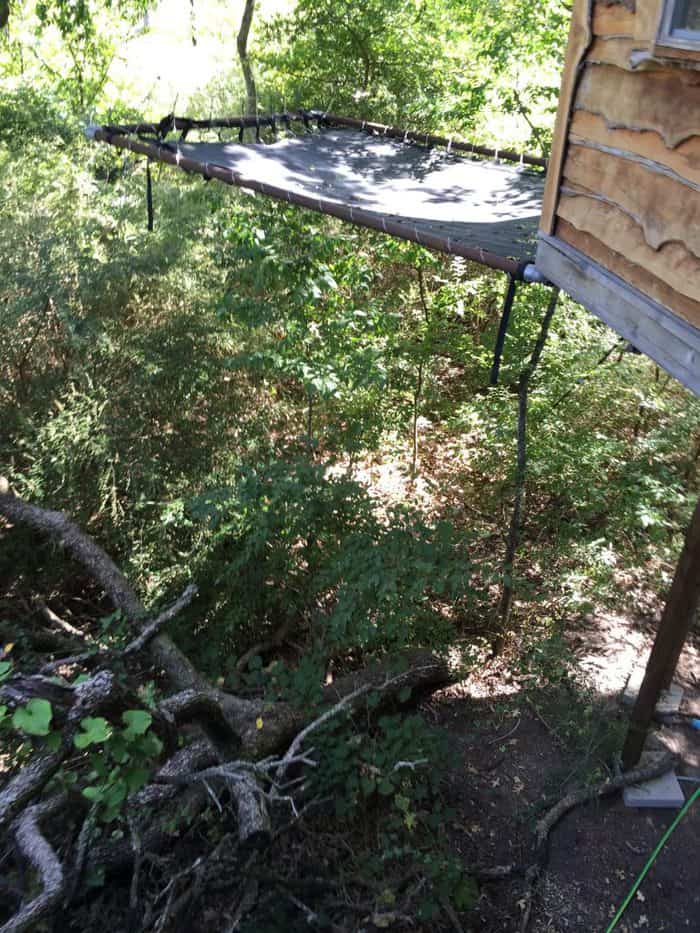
[669, 701]
[663, 792]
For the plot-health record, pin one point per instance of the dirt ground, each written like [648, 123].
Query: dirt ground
[514, 762]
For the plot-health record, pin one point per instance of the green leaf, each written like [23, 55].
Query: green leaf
[150, 745]
[95, 793]
[136, 778]
[367, 785]
[34, 718]
[95, 731]
[404, 694]
[5, 668]
[137, 722]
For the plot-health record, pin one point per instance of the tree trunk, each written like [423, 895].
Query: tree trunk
[242, 44]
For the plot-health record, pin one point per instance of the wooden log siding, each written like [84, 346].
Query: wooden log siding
[626, 193]
[666, 208]
[647, 100]
[672, 264]
[613, 21]
[684, 160]
[580, 35]
[630, 271]
[616, 51]
[630, 183]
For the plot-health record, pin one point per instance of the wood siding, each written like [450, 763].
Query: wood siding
[624, 188]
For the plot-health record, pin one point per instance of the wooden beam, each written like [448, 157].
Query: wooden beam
[664, 336]
[679, 613]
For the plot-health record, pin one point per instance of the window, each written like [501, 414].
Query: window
[680, 24]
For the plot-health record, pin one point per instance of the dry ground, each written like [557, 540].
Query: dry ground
[513, 761]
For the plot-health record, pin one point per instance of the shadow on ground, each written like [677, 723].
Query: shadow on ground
[518, 754]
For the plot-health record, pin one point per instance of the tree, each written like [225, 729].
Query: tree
[242, 45]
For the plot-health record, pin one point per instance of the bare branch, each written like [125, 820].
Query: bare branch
[151, 630]
[32, 778]
[293, 749]
[82, 548]
[636, 776]
[42, 857]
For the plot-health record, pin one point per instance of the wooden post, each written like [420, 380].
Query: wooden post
[679, 612]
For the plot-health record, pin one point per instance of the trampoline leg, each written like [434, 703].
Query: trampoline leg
[503, 330]
[149, 196]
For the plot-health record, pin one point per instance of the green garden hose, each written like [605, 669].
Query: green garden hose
[652, 858]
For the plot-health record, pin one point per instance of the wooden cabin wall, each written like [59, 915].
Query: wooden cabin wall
[624, 184]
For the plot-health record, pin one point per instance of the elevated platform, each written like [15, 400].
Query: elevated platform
[482, 209]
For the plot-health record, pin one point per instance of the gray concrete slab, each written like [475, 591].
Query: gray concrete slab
[669, 700]
[663, 792]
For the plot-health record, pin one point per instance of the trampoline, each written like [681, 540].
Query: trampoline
[454, 197]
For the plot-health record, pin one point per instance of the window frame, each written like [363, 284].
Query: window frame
[676, 38]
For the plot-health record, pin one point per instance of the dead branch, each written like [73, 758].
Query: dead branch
[545, 825]
[293, 750]
[21, 688]
[196, 698]
[151, 630]
[56, 620]
[82, 548]
[255, 778]
[33, 776]
[43, 859]
[161, 807]
[636, 776]
[81, 849]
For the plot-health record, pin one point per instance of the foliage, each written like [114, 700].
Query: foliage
[120, 759]
[444, 64]
[291, 543]
[234, 398]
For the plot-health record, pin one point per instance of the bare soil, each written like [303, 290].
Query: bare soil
[513, 763]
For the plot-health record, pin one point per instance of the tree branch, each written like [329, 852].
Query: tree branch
[82, 548]
[34, 775]
[42, 857]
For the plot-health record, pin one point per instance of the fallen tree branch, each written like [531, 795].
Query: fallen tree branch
[41, 856]
[281, 721]
[82, 548]
[151, 630]
[636, 776]
[56, 620]
[34, 775]
[547, 823]
[292, 752]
